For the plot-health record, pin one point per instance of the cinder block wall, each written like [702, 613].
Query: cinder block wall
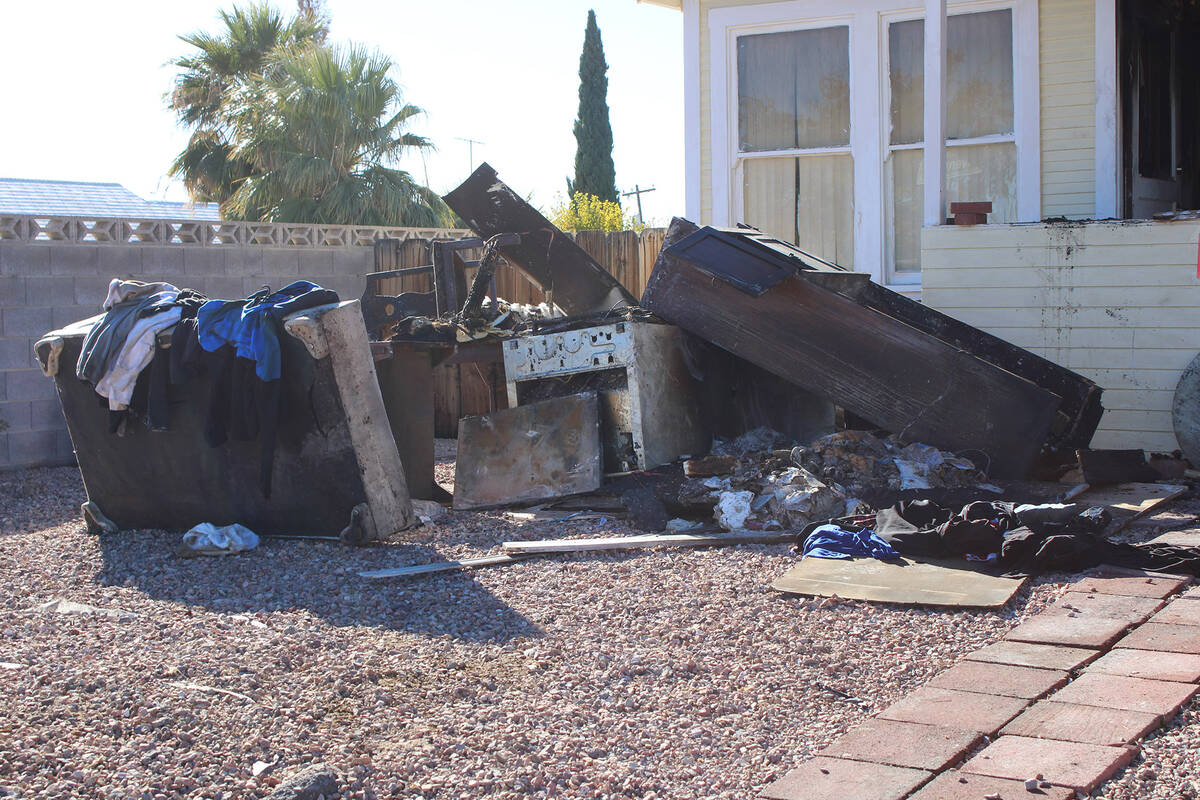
[46, 284]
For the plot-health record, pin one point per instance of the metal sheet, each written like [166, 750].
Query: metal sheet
[532, 452]
[906, 582]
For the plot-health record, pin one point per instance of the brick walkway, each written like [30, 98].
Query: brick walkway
[1063, 700]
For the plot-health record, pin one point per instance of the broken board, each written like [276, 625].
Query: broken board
[650, 541]
[532, 452]
[1129, 501]
[905, 582]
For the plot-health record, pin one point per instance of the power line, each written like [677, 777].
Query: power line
[638, 192]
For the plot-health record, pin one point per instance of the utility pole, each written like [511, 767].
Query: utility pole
[638, 192]
[470, 150]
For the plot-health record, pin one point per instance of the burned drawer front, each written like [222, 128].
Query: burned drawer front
[649, 413]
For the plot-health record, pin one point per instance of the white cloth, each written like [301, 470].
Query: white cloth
[119, 291]
[136, 354]
[208, 538]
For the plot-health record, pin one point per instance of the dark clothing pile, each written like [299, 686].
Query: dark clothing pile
[1023, 539]
[237, 342]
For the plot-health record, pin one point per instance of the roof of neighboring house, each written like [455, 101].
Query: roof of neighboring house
[675, 4]
[86, 199]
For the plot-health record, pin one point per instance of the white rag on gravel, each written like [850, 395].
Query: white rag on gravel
[209, 539]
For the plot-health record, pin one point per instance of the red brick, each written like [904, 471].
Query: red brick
[1069, 722]
[1133, 610]
[984, 713]
[904, 744]
[1026, 654]
[955, 785]
[1163, 698]
[1077, 766]
[1003, 679]
[1080, 631]
[1155, 666]
[1171, 638]
[1192, 593]
[1134, 586]
[1179, 612]
[835, 779]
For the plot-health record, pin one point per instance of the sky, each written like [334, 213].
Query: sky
[84, 99]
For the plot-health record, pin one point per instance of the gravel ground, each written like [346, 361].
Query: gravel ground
[670, 674]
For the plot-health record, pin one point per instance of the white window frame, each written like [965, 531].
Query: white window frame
[870, 109]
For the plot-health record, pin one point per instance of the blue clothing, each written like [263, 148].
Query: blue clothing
[252, 326]
[832, 541]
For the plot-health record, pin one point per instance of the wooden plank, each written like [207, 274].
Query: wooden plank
[649, 541]
[441, 566]
[1129, 501]
[879, 368]
[547, 256]
[532, 452]
[905, 582]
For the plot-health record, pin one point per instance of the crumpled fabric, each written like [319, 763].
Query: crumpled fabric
[834, 541]
[252, 326]
[210, 539]
[135, 355]
[126, 304]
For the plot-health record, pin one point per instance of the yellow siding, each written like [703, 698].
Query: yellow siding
[1068, 107]
[1118, 302]
[1068, 121]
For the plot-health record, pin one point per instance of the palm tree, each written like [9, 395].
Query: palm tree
[221, 62]
[320, 130]
[289, 129]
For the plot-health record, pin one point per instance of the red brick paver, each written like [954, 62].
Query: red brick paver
[984, 713]
[1027, 654]
[834, 779]
[1082, 767]
[1180, 612]
[1163, 698]
[904, 744]
[1004, 679]
[1171, 638]
[1086, 724]
[1114, 606]
[1155, 666]
[1191, 594]
[955, 785]
[1136, 586]
[1078, 631]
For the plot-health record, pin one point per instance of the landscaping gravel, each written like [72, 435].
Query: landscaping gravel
[667, 674]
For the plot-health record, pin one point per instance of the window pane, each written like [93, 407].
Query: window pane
[906, 57]
[984, 172]
[979, 76]
[905, 210]
[977, 172]
[807, 200]
[794, 89]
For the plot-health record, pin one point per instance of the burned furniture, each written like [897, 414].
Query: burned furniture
[898, 364]
[571, 278]
[649, 413]
[335, 467]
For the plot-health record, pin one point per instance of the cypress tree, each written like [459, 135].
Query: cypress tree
[594, 171]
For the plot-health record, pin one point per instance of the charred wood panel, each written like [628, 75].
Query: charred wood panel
[872, 364]
[546, 255]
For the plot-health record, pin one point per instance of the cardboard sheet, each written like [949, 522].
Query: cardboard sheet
[906, 582]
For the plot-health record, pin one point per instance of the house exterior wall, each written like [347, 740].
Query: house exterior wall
[1068, 107]
[1118, 302]
[1067, 64]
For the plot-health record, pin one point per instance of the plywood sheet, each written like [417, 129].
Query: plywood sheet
[906, 582]
[532, 452]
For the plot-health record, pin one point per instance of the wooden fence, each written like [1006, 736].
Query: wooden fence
[462, 390]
